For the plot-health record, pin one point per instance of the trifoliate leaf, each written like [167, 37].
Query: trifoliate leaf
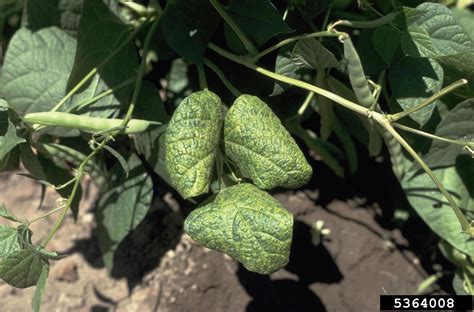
[263, 149]
[246, 223]
[191, 142]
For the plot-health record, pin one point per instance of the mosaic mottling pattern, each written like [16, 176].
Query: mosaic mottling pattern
[258, 143]
[246, 223]
[191, 141]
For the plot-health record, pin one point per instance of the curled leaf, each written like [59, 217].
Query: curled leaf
[246, 223]
[263, 149]
[191, 143]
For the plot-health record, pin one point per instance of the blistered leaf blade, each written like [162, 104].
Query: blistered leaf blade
[246, 223]
[262, 148]
[191, 142]
[8, 241]
[122, 207]
[22, 268]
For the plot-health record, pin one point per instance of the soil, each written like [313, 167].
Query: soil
[158, 268]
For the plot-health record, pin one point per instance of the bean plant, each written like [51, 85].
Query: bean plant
[225, 101]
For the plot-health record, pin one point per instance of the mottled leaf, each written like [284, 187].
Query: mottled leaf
[191, 142]
[246, 223]
[261, 147]
[8, 241]
[122, 207]
[22, 268]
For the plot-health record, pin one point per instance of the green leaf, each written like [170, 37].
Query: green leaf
[285, 66]
[261, 147]
[433, 208]
[457, 125]
[311, 53]
[122, 207]
[413, 80]
[39, 291]
[22, 268]
[459, 66]
[46, 13]
[259, 20]
[8, 7]
[386, 41]
[188, 25]
[191, 143]
[120, 158]
[8, 241]
[246, 223]
[93, 47]
[434, 31]
[465, 17]
[311, 8]
[31, 162]
[8, 137]
[4, 213]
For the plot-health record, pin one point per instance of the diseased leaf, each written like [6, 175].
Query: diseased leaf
[259, 20]
[191, 143]
[188, 25]
[285, 66]
[39, 291]
[22, 268]
[457, 125]
[412, 81]
[122, 207]
[312, 54]
[386, 41]
[246, 223]
[433, 31]
[8, 241]
[261, 147]
[8, 137]
[433, 208]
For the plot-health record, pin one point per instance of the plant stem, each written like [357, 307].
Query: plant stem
[294, 39]
[96, 69]
[306, 103]
[429, 100]
[249, 46]
[46, 215]
[222, 77]
[465, 225]
[202, 77]
[431, 136]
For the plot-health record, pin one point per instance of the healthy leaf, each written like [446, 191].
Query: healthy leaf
[259, 20]
[457, 125]
[4, 213]
[31, 162]
[191, 142]
[246, 223]
[188, 25]
[386, 41]
[120, 158]
[93, 47]
[433, 208]
[311, 53]
[46, 13]
[261, 147]
[122, 207]
[39, 291]
[285, 66]
[311, 8]
[8, 241]
[22, 268]
[465, 17]
[458, 66]
[8, 137]
[413, 80]
[434, 31]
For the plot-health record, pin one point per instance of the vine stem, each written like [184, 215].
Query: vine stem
[96, 69]
[46, 215]
[202, 77]
[294, 39]
[235, 92]
[249, 46]
[128, 116]
[381, 119]
[431, 136]
[430, 100]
